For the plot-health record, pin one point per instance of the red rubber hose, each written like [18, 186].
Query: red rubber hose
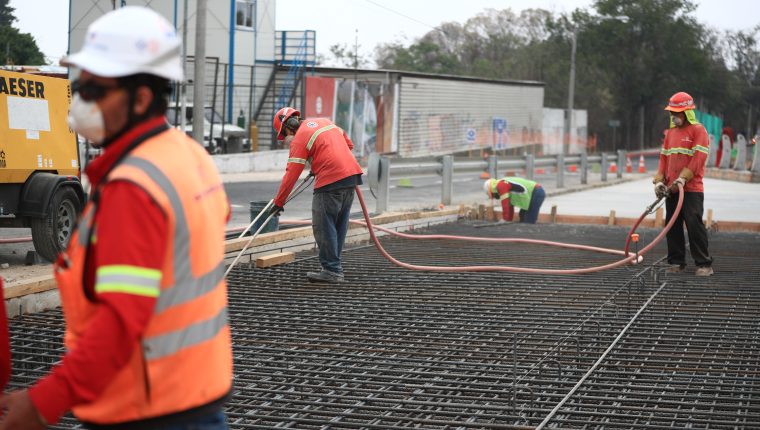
[628, 259]
[16, 239]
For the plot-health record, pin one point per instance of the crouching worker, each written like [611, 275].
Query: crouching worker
[517, 192]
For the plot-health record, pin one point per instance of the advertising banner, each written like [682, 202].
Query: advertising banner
[320, 95]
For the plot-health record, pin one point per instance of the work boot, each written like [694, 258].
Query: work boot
[675, 268]
[325, 276]
[704, 271]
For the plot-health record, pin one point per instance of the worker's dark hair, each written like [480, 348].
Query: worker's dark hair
[160, 87]
[293, 123]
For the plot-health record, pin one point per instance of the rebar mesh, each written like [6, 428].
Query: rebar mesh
[393, 348]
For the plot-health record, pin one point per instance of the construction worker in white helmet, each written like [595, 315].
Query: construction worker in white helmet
[141, 282]
[517, 192]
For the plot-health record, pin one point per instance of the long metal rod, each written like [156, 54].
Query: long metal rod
[600, 359]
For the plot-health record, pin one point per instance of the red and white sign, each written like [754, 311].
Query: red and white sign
[320, 96]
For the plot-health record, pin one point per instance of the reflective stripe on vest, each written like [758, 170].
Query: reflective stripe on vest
[128, 279]
[169, 343]
[317, 133]
[186, 286]
[685, 151]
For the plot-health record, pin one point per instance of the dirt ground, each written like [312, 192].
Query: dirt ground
[13, 268]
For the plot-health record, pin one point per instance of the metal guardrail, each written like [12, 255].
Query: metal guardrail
[385, 170]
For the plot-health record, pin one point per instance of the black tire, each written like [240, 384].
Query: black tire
[51, 234]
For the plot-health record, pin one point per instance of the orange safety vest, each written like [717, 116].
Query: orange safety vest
[184, 359]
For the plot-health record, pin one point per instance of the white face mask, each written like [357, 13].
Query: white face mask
[86, 119]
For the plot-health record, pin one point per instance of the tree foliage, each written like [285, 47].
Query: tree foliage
[16, 47]
[624, 67]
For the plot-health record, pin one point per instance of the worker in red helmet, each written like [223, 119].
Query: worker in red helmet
[682, 161]
[337, 174]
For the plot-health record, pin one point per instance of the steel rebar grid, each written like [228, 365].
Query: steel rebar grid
[397, 349]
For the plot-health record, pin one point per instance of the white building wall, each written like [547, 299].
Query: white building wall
[553, 129]
[256, 46]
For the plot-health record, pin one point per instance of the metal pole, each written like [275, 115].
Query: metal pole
[447, 176]
[530, 162]
[200, 63]
[641, 127]
[604, 167]
[570, 93]
[584, 168]
[560, 170]
[492, 161]
[182, 88]
[620, 163]
[224, 106]
[384, 185]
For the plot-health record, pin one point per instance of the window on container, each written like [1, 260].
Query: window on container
[244, 13]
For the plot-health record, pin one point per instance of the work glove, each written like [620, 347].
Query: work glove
[660, 190]
[674, 185]
[275, 210]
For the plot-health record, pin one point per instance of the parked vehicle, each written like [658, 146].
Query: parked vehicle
[39, 160]
[219, 137]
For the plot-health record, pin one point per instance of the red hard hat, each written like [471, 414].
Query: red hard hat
[680, 102]
[280, 117]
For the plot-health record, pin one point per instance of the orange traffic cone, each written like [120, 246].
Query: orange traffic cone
[613, 167]
[572, 168]
[642, 166]
[628, 165]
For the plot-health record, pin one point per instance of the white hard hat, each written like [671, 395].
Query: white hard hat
[127, 41]
[487, 187]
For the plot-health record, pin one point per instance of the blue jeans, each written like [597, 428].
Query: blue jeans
[212, 421]
[329, 222]
[536, 200]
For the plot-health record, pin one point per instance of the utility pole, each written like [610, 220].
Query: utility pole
[199, 75]
[641, 127]
[570, 94]
[182, 95]
[571, 86]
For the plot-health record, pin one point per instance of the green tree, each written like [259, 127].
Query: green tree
[16, 47]
[6, 14]
[625, 69]
[743, 53]
[660, 50]
[348, 57]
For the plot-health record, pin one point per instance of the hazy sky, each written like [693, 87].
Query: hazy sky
[377, 21]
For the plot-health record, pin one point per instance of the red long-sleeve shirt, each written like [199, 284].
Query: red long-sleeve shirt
[329, 149]
[688, 147]
[507, 210]
[133, 231]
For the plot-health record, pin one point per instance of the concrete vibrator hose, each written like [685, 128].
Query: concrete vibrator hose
[628, 258]
[635, 258]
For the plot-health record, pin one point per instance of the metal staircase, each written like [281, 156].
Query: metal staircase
[296, 51]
